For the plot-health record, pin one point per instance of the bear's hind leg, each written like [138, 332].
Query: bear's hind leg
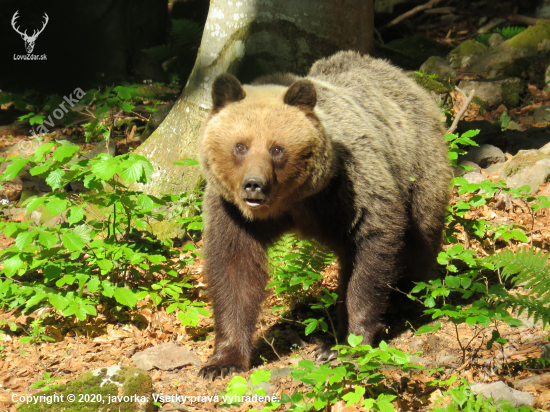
[366, 273]
[424, 235]
[374, 273]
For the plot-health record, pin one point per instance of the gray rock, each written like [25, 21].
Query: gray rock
[495, 169]
[125, 377]
[545, 149]
[533, 176]
[542, 114]
[484, 155]
[492, 92]
[528, 167]
[466, 53]
[500, 391]
[36, 216]
[474, 177]
[544, 46]
[438, 66]
[267, 387]
[495, 40]
[167, 356]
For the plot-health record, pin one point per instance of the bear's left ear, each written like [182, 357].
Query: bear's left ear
[226, 89]
[301, 94]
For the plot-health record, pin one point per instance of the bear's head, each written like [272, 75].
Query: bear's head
[264, 148]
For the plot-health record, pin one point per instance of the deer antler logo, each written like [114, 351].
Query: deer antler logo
[29, 40]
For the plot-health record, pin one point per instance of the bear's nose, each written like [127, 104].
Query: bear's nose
[253, 186]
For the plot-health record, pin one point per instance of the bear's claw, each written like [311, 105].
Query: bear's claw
[325, 352]
[211, 372]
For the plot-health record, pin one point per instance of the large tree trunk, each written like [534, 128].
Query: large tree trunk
[249, 38]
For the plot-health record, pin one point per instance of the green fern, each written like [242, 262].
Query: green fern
[529, 270]
[280, 250]
[315, 256]
[506, 33]
[310, 254]
[535, 308]
[509, 32]
[296, 265]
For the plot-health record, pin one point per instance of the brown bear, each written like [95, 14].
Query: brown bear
[352, 155]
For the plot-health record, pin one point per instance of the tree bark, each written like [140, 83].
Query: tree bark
[250, 38]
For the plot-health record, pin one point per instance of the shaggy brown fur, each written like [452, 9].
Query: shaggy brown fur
[354, 156]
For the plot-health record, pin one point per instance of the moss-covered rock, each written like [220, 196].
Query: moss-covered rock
[431, 84]
[438, 66]
[510, 91]
[528, 168]
[516, 56]
[491, 93]
[116, 388]
[525, 158]
[530, 39]
[466, 53]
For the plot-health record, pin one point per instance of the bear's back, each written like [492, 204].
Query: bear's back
[387, 129]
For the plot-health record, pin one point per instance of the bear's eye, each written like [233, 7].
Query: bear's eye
[277, 151]
[241, 148]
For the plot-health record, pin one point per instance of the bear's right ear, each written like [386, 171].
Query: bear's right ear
[226, 89]
[301, 94]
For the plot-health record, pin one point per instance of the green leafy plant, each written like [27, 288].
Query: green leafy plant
[102, 105]
[466, 274]
[97, 245]
[504, 120]
[36, 335]
[356, 379]
[45, 383]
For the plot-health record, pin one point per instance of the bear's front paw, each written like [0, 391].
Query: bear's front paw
[211, 372]
[325, 352]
